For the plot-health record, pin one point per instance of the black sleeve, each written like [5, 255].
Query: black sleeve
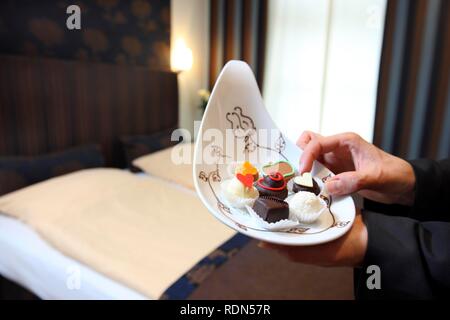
[432, 191]
[413, 257]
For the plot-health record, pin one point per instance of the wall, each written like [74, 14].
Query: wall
[190, 21]
[112, 31]
[115, 31]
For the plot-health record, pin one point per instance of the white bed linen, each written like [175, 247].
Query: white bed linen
[27, 259]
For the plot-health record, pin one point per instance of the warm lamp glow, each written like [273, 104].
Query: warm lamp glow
[181, 56]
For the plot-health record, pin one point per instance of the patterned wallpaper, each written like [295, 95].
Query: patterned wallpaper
[113, 31]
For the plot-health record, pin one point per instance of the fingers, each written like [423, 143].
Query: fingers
[302, 142]
[317, 146]
[321, 255]
[305, 138]
[348, 250]
[267, 245]
[347, 183]
[310, 153]
[296, 254]
[285, 250]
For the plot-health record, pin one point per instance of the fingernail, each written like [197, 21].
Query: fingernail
[333, 187]
[266, 245]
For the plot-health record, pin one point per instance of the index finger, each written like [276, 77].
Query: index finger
[315, 148]
[305, 138]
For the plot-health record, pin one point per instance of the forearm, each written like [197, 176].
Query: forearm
[413, 257]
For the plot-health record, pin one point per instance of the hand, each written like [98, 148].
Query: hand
[349, 250]
[360, 167]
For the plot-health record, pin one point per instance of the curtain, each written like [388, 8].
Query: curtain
[237, 31]
[413, 108]
[322, 65]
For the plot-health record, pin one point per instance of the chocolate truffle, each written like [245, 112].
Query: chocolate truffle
[272, 185]
[299, 185]
[271, 209]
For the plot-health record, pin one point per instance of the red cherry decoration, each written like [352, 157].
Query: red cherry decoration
[247, 180]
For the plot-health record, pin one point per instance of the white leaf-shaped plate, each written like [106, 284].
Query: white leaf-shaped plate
[231, 130]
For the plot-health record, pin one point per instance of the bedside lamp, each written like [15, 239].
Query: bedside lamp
[181, 57]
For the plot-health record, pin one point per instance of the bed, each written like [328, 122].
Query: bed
[28, 260]
[48, 105]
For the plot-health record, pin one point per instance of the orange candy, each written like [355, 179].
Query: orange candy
[247, 168]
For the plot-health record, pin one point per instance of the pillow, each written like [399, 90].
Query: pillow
[17, 171]
[160, 164]
[139, 145]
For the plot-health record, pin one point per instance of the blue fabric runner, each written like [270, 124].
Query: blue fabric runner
[185, 285]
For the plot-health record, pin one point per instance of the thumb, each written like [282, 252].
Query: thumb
[345, 183]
